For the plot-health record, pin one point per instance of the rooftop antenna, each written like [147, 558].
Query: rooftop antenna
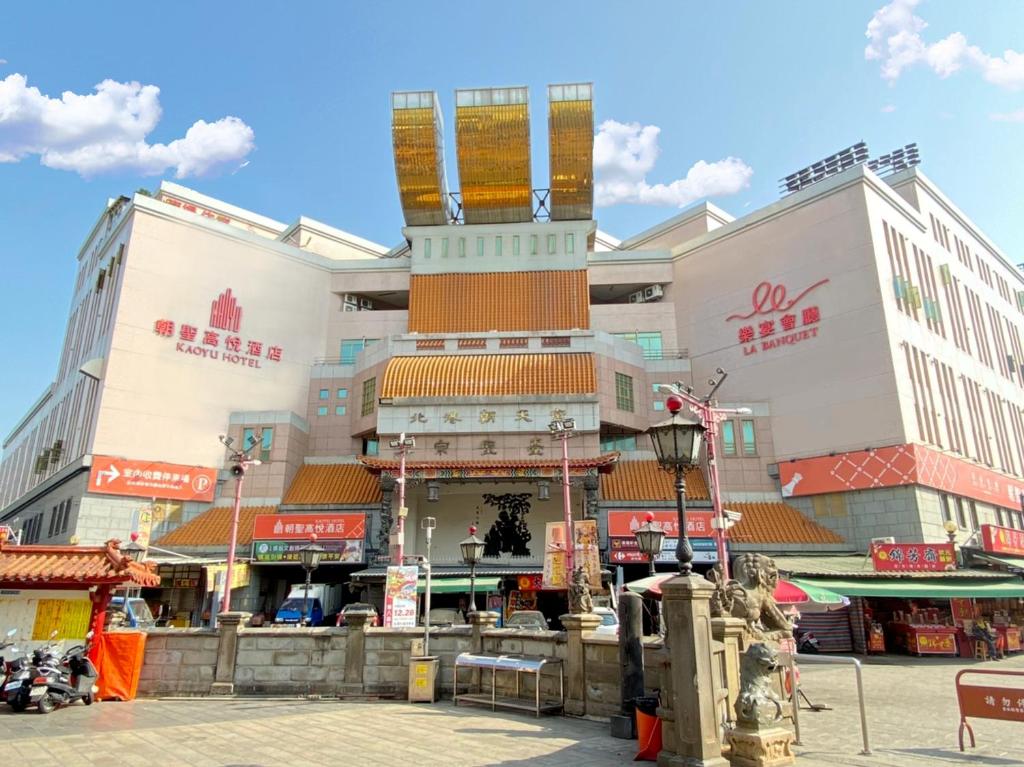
[822, 169]
[896, 160]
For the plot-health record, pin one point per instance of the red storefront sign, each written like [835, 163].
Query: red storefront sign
[151, 479]
[913, 557]
[622, 524]
[285, 527]
[935, 643]
[895, 466]
[1002, 540]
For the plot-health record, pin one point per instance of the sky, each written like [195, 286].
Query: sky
[284, 109]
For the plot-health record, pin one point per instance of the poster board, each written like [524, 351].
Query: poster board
[400, 596]
[69, 617]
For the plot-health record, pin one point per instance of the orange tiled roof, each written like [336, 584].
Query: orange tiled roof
[213, 527]
[777, 522]
[72, 565]
[481, 375]
[647, 481]
[477, 303]
[333, 483]
[597, 462]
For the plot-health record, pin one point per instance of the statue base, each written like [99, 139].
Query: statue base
[761, 747]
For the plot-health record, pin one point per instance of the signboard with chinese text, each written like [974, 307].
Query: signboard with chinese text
[151, 479]
[983, 702]
[624, 551]
[1002, 540]
[587, 551]
[895, 466]
[623, 524]
[216, 574]
[935, 643]
[776, 319]
[400, 596]
[555, 576]
[335, 552]
[68, 617]
[962, 609]
[283, 527]
[913, 557]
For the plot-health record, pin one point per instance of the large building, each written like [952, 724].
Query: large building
[869, 326]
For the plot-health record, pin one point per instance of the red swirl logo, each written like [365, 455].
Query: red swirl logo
[768, 299]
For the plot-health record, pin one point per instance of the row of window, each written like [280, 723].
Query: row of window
[264, 435]
[341, 393]
[964, 512]
[977, 265]
[31, 530]
[60, 517]
[338, 410]
[498, 245]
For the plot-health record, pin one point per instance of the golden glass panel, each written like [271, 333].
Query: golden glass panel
[492, 135]
[419, 163]
[571, 146]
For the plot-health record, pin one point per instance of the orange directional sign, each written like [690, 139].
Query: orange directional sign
[151, 479]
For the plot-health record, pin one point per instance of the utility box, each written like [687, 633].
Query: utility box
[423, 679]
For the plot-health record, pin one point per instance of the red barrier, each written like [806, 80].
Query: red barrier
[988, 702]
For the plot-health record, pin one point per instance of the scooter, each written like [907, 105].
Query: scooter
[75, 680]
[45, 663]
[12, 666]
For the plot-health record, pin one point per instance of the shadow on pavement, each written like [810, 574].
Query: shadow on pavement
[955, 756]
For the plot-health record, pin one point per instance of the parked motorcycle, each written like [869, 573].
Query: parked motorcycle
[74, 679]
[13, 667]
[22, 670]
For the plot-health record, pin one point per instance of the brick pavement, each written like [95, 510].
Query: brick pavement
[912, 720]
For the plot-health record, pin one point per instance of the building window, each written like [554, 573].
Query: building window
[515, 245]
[570, 242]
[747, 430]
[426, 247]
[340, 410]
[497, 246]
[624, 392]
[350, 348]
[371, 446]
[322, 410]
[325, 394]
[659, 404]
[552, 244]
[649, 341]
[480, 246]
[620, 442]
[249, 437]
[947, 510]
[462, 247]
[974, 516]
[342, 393]
[444, 247]
[961, 518]
[533, 245]
[728, 438]
[369, 396]
[999, 517]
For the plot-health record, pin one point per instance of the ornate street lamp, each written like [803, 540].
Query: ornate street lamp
[677, 443]
[309, 556]
[472, 552]
[649, 539]
[134, 551]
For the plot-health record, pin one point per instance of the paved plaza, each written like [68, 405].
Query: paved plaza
[912, 719]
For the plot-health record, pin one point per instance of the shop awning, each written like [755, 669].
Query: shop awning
[456, 585]
[999, 560]
[935, 588]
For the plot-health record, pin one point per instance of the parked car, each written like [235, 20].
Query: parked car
[609, 621]
[531, 620]
[445, 616]
[360, 607]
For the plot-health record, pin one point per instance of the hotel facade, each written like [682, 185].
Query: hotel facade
[873, 331]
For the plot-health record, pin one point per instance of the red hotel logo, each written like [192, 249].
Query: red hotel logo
[768, 300]
[225, 313]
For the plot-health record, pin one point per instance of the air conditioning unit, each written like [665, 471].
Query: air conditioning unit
[365, 303]
[881, 541]
[349, 307]
[350, 298]
[653, 293]
[636, 298]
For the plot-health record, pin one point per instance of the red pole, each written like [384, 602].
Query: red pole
[401, 500]
[570, 545]
[225, 603]
[98, 621]
[707, 415]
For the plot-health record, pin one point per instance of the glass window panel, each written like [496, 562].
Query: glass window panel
[749, 445]
[325, 394]
[322, 410]
[515, 245]
[371, 447]
[552, 244]
[533, 245]
[342, 393]
[480, 246]
[339, 410]
[624, 392]
[497, 246]
[659, 404]
[570, 242]
[728, 438]
[369, 396]
[444, 247]
[426, 248]
[462, 247]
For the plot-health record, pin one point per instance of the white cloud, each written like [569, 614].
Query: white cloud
[105, 131]
[894, 38]
[889, 108]
[1009, 117]
[624, 153]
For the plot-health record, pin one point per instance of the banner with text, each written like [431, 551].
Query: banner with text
[400, 596]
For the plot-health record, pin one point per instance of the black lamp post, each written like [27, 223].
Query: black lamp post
[309, 556]
[472, 552]
[677, 443]
[649, 539]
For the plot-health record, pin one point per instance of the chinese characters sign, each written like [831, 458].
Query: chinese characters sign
[151, 479]
[1005, 703]
[624, 551]
[400, 597]
[935, 643]
[220, 340]
[913, 557]
[1002, 540]
[348, 552]
[775, 319]
[622, 524]
[283, 527]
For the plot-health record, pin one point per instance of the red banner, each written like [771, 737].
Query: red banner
[1002, 540]
[622, 524]
[284, 527]
[913, 557]
[935, 643]
[895, 466]
[151, 479]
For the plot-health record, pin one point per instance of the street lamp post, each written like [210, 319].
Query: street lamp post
[134, 550]
[241, 461]
[677, 442]
[472, 552]
[649, 539]
[309, 555]
[563, 429]
[403, 444]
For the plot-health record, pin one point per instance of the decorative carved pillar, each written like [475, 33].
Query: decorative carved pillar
[590, 486]
[387, 490]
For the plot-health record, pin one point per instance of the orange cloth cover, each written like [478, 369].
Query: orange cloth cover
[648, 732]
[118, 660]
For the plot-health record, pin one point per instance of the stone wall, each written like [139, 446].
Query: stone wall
[179, 662]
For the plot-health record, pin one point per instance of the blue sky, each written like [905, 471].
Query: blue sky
[773, 86]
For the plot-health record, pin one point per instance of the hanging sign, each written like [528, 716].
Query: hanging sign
[1002, 540]
[913, 557]
[400, 596]
[555, 576]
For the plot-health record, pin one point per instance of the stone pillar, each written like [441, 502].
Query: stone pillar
[355, 648]
[691, 731]
[575, 663]
[229, 625]
[590, 487]
[481, 622]
[730, 632]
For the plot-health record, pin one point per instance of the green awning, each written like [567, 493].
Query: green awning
[935, 588]
[1001, 560]
[456, 585]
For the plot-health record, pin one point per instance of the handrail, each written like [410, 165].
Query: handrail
[843, 660]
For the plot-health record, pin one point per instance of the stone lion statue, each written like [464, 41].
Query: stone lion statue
[579, 593]
[757, 698]
[750, 596]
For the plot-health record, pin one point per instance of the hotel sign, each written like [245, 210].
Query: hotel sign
[221, 339]
[775, 319]
[1002, 540]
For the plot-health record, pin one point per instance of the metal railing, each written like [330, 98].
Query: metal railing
[828, 660]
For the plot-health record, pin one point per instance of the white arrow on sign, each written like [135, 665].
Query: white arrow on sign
[112, 473]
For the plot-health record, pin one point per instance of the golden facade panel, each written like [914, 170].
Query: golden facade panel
[571, 145]
[416, 134]
[480, 302]
[492, 136]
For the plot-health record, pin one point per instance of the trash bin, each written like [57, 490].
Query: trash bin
[423, 679]
[648, 728]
